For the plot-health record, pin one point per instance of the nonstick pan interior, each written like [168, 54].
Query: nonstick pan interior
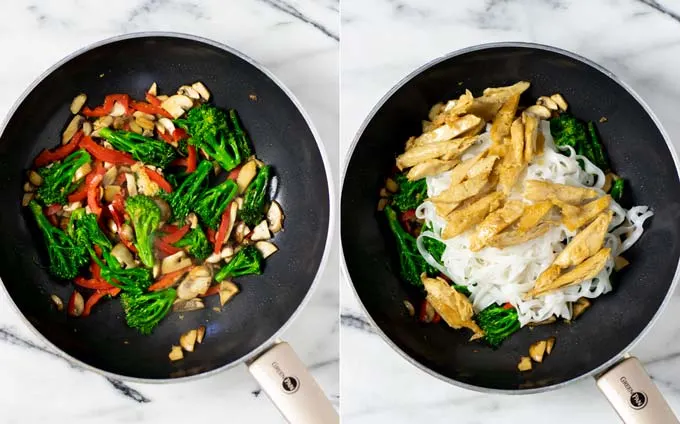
[281, 137]
[638, 152]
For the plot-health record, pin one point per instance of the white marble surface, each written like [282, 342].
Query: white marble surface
[298, 41]
[382, 41]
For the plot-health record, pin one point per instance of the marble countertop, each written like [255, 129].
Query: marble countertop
[384, 40]
[298, 41]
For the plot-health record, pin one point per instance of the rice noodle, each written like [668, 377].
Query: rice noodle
[504, 275]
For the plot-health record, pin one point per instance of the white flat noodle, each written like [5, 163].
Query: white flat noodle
[505, 275]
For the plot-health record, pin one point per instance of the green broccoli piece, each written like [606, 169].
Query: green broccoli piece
[412, 264]
[145, 215]
[132, 280]
[462, 289]
[209, 131]
[247, 261]
[145, 149]
[255, 198]
[435, 247]
[617, 189]
[182, 200]
[595, 149]
[196, 243]
[566, 130]
[58, 178]
[213, 201]
[498, 323]
[411, 193]
[84, 229]
[143, 311]
[66, 255]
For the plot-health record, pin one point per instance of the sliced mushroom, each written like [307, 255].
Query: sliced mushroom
[549, 344]
[103, 122]
[153, 90]
[164, 207]
[81, 172]
[540, 111]
[188, 340]
[547, 102]
[72, 128]
[240, 232]
[35, 178]
[559, 100]
[156, 270]
[123, 255]
[87, 128]
[275, 217]
[266, 248]
[167, 125]
[227, 252]
[78, 102]
[233, 209]
[58, 303]
[76, 304]
[214, 258]
[537, 350]
[580, 307]
[145, 123]
[201, 89]
[546, 321]
[620, 262]
[246, 175]
[384, 192]
[118, 110]
[139, 114]
[200, 333]
[260, 232]
[28, 187]
[73, 206]
[26, 199]
[175, 262]
[131, 184]
[524, 364]
[227, 291]
[195, 283]
[119, 122]
[391, 185]
[176, 104]
[162, 97]
[192, 220]
[182, 305]
[188, 91]
[126, 231]
[239, 202]
[109, 176]
[176, 353]
[409, 308]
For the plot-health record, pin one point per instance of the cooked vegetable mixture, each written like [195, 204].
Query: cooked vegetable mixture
[506, 216]
[159, 202]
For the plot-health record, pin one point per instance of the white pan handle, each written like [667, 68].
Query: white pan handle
[634, 395]
[285, 379]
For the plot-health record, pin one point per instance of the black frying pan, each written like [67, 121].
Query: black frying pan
[282, 136]
[640, 152]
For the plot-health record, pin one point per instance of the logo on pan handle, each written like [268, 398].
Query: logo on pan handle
[289, 384]
[637, 400]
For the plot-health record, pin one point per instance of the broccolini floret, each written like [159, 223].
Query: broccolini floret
[143, 311]
[145, 215]
[196, 243]
[498, 323]
[145, 149]
[411, 263]
[213, 201]
[255, 198]
[410, 194]
[183, 198]
[58, 178]
[247, 261]
[84, 229]
[617, 189]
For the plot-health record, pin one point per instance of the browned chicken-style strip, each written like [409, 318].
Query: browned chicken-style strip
[500, 127]
[448, 131]
[537, 190]
[454, 307]
[445, 149]
[513, 163]
[533, 214]
[465, 217]
[587, 213]
[430, 167]
[462, 145]
[515, 237]
[482, 167]
[509, 90]
[530, 136]
[586, 270]
[585, 243]
[566, 208]
[459, 173]
[462, 191]
[460, 107]
[546, 278]
[494, 223]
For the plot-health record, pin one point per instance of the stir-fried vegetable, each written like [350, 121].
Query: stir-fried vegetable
[617, 189]
[570, 131]
[144, 149]
[129, 279]
[84, 229]
[247, 261]
[145, 216]
[182, 200]
[255, 198]
[435, 247]
[58, 179]
[498, 323]
[196, 243]
[66, 256]
[210, 132]
[410, 194]
[412, 265]
[144, 311]
[213, 201]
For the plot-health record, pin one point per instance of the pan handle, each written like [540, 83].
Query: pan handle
[634, 395]
[291, 387]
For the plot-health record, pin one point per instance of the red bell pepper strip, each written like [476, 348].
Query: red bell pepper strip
[180, 162]
[151, 109]
[422, 313]
[92, 283]
[81, 193]
[179, 134]
[222, 230]
[169, 279]
[210, 233]
[436, 318]
[93, 196]
[96, 271]
[52, 209]
[192, 159]
[152, 99]
[106, 108]
[507, 305]
[48, 156]
[233, 174]
[75, 304]
[167, 137]
[214, 289]
[115, 210]
[96, 297]
[104, 154]
[175, 236]
[158, 179]
[166, 248]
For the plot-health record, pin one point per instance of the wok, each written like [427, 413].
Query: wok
[245, 330]
[594, 345]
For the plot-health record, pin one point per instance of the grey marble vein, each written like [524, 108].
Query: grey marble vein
[290, 10]
[357, 322]
[128, 391]
[660, 8]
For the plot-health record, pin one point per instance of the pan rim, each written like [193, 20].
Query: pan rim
[271, 341]
[411, 75]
